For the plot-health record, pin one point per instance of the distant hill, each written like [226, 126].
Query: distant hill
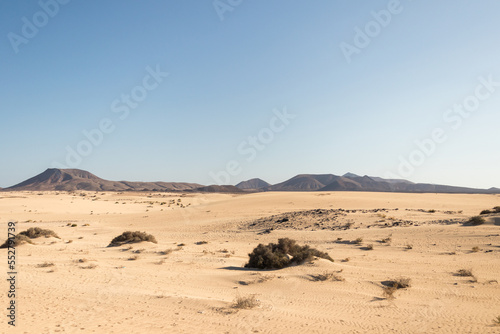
[76, 179]
[304, 182]
[353, 182]
[252, 184]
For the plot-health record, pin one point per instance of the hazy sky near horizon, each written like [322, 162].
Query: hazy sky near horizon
[200, 91]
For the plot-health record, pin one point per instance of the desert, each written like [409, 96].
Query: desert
[192, 279]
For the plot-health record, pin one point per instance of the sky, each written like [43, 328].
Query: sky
[227, 90]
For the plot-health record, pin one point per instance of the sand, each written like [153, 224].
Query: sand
[167, 288]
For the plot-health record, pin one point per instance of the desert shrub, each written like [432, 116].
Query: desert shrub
[358, 241]
[386, 240]
[283, 254]
[45, 265]
[245, 302]
[496, 321]
[409, 246]
[476, 220]
[369, 247]
[389, 292]
[475, 249]
[393, 285]
[465, 273]
[201, 243]
[401, 283]
[497, 209]
[16, 241]
[36, 232]
[132, 237]
[328, 276]
[486, 212]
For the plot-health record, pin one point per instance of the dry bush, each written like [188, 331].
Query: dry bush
[475, 249]
[16, 241]
[133, 258]
[347, 259]
[199, 243]
[165, 252]
[132, 237]
[409, 246]
[476, 220]
[45, 265]
[283, 254]
[358, 241]
[496, 321]
[90, 266]
[386, 240]
[390, 287]
[328, 276]
[465, 272]
[389, 292]
[369, 247]
[245, 302]
[36, 232]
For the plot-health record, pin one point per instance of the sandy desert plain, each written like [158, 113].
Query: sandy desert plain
[188, 282]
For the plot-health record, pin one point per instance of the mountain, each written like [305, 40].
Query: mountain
[76, 179]
[304, 182]
[353, 182]
[252, 184]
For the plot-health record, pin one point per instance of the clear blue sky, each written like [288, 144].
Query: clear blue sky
[361, 113]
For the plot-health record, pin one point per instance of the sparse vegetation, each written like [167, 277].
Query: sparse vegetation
[496, 321]
[245, 302]
[283, 254]
[475, 249]
[328, 276]
[358, 241]
[476, 220]
[132, 237]
[386, 240]
[36, 232]
[496, 209]
[369, 247]
[133, 258]
[26, 236]
[465, 273]
[90, 266]
[16, 241]
[45, 265]
[201, 243]
[347, 259]
[409, 246]
[390, 287]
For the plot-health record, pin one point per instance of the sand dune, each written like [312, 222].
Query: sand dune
[187, 282]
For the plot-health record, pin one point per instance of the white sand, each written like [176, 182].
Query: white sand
[191, 289]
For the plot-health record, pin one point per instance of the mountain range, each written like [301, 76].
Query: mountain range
[76, 179]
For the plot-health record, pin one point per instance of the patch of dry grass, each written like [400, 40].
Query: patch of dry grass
[245, 303]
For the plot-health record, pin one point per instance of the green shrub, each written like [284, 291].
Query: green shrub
[283, 254]
[132, 237]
